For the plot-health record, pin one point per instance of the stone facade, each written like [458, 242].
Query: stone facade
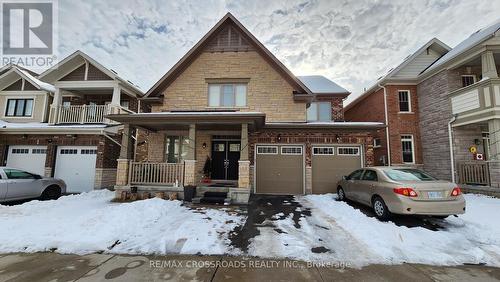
[122, 172]
[190, 172]
[435, 113]
[244, 174]
[105, 177]
[190, 90]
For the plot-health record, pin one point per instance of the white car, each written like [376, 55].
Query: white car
[16, 184]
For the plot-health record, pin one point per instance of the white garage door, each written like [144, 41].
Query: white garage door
[76, 166]
[29, 158]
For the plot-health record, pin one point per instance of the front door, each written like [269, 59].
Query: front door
[225, 157]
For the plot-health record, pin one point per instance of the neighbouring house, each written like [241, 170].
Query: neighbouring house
[393, 101]
[54, 123]
[443, 98]
[230, 117]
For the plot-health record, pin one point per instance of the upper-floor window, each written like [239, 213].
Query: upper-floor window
[227, 95]
[19, 107]
[404, 101]
[319, 111]
[468, 79]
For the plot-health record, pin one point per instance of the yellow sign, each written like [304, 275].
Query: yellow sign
[473, 149]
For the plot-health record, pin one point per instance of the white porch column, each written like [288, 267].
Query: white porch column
[489, 68]
[494, 130]
[115, 100]
[54, 107]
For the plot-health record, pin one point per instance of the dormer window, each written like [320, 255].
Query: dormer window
[319, 111]
[227, 95]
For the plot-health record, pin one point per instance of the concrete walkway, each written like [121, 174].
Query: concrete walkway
[103, 267]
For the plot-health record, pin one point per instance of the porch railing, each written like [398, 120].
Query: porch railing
[156, 173]
[474, 172]
[82, 114]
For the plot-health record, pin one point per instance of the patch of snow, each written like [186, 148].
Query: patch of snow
[89, 222]
[43, 125]
[278, 215]
[43, 85]
[319, 84]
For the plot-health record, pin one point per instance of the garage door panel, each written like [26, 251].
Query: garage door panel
[327, 170]
[279, 173]
[76, 166]
[28, 158]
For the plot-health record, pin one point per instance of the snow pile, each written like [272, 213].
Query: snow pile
[471, 238]
[89, 222]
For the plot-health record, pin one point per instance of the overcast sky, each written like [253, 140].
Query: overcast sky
[350, 42]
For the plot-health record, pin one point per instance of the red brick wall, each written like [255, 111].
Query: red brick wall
[371, 108]
[337, 107]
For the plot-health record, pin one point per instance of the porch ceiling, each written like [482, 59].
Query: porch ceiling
[182, 120]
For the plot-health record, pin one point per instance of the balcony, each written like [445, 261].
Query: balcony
[84, 114]
[476, 102]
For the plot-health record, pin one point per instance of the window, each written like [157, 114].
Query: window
[227, 95]
[124, 104]
[176, 148]
[370, 175]
[291, 150]
[88, 151]
[407, 148]
[348, 151]
[319, 111]
[66, 104]
[323, 150]
[20, 151]
[377, 143]
[69, 151]
[408, 174]
[38, 151]
[404, 101]
[267, 150]
[468, 79]
[356, 175]
[18, 174]
[19, 107]
[234, 147]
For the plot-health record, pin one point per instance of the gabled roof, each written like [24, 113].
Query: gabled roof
[473, 40]
[73, 58]
[27, 75]
[319, 84]
[193, 53]
[434, 43]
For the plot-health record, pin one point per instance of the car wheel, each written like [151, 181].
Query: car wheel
[341, 194]
[51, 193]
[380, 209]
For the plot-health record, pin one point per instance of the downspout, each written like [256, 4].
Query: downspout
[386, 125]
[452, 157]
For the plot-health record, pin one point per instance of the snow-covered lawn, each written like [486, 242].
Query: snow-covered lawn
[327, 231]
[91, 223]
[337, 232]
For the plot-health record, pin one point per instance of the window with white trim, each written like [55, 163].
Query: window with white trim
[291, 150]
[319, 111]
[348, 151]
[407, 149]
[227, 95]
[468, 79]
[19, 107]
[377, 143]
[404, 101]
[267, 150]
[323, 151]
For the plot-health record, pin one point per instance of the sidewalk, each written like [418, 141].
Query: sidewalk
[103, 267]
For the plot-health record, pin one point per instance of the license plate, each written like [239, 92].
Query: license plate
[434, 195]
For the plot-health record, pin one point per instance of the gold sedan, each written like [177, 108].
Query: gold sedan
[401, 190]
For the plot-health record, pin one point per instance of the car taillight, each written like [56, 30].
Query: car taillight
[408, 192]
[456, 191]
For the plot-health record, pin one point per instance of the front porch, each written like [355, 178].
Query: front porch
[208, 150]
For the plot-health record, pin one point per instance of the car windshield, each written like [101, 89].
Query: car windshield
[408, 175]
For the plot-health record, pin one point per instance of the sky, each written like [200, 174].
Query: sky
[350, 42]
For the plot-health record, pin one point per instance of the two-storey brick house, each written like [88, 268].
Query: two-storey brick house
[230, 111]
[393, 101]
[54, 123]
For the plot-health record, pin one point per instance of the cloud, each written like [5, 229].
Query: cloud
[350, 42]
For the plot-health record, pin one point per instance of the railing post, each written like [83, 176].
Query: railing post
[83, 113]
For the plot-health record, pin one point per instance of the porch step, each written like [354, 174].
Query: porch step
[212, 200]
[215, 194]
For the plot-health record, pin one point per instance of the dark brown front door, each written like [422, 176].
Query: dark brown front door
[225, 157]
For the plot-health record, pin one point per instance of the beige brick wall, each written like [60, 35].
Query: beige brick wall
[202, 153]
[104, 178]
[267, 90]
[156, 147]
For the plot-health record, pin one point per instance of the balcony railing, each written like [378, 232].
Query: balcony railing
[148, 173]
[474, 173]
[84, 114]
